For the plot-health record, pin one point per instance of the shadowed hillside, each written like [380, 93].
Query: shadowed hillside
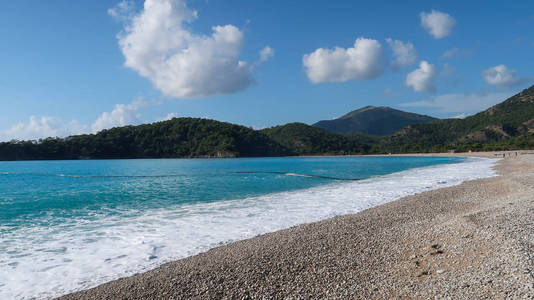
[179, 137]
[508, 125]
[373, 120]
[305, 139]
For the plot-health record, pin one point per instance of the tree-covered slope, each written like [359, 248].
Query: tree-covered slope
[509, 124]
[305, 139]
[188, 137]
[373, 120]
[179, 137]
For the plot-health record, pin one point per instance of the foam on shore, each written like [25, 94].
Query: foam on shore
[50, 261]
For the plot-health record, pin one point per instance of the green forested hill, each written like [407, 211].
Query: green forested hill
[305, 139]
[179, 137]
[373, 120]
[189, 137]
[508, 125]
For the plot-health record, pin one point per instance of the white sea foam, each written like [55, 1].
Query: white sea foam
[44, 262]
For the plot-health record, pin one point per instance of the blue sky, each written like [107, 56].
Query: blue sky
[70, 67]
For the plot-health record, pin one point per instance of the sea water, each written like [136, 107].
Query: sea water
[71, 225]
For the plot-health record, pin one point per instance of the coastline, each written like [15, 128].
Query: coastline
[445, 242]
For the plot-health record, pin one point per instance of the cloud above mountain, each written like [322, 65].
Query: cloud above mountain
[404, 53]
[457, 104]
[42, 127]
[266, 53]
[159, 45]
[438, 24]
[121, 115]
[422, 78]
[501, 76]
[45, 126]
[365, 60]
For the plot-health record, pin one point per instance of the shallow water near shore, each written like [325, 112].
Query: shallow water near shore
[70, 225]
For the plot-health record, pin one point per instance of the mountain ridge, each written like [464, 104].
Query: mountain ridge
[505, 126]
[381, 120]
[508, 124]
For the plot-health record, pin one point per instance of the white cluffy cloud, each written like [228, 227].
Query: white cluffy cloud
[501, 76]
[168, 117]
[460, 116]
[123, 11]
[121, 115]
[404, 53]
[422, 78]
[266, 54]
[437, 23]
[158, 44]
[459, 105]
[366, 60]
[42, 127]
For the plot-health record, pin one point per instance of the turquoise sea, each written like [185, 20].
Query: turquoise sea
[70, 225]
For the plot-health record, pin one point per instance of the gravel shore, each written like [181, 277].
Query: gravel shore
[471, 241]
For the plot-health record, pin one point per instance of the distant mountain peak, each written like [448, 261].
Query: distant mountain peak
[358, 111]
[381, 120]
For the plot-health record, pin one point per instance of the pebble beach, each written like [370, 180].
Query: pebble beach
[470, 241]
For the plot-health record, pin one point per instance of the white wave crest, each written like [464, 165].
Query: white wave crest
[44, 262]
